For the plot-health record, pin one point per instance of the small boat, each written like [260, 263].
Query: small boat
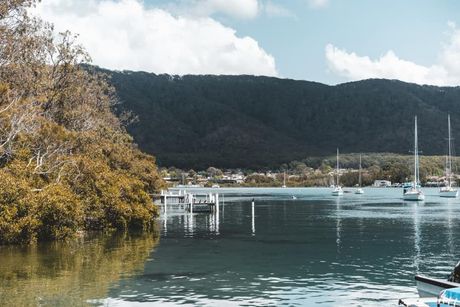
[449, 297]
[427, 286]
[359, 190]
[293, 197]
[448, 190]
[215, 186]
[414, 192]
[436, 292]
[337, 191]
[284, 180]
[445, 298]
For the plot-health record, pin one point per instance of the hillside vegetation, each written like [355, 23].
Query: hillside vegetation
[66, 162]
[262, 122]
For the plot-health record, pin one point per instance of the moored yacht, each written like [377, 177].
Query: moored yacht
[414, 192]
[337, 191]
[448, 190]
[359, 190]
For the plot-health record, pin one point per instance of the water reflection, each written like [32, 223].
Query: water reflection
[165, 222]
[253, 219]
[450, 225]
[416, 218]
[70, 273]
[214, 222]
[223, 207]
[338, 226]
[190, 224]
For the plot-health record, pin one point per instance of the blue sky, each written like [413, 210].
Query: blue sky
[414, 30]
[329, 41]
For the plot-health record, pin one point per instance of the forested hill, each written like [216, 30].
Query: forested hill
[255, 122]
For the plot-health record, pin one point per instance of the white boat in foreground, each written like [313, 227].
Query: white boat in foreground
[428, 287]
[445, 298]
[337, 191]
[448, 190]
[415, 193]
[436, 292]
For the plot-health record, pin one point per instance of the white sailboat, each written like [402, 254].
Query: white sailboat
[284, 180]
[448, 190]
[337, 191]
[415, 193]
[359, 190]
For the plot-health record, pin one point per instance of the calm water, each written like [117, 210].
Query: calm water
[355, 250]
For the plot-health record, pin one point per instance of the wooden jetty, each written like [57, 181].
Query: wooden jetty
[187, 202]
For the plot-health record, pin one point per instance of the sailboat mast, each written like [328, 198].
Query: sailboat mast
[449, 161]
[337, 167]
[416, 174]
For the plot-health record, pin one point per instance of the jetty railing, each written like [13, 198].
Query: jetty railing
[188, 202]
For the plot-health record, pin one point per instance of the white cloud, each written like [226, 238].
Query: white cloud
[318, 3]
[123, 34]
[235, 8]
[275, 10]
[389, 66]
[450, 54]
[242, 9]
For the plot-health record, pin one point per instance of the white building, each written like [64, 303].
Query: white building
[382, 183]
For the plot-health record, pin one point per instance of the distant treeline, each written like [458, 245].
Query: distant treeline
[320, 171]
[377, 166]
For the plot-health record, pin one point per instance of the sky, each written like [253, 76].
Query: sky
[328, 41]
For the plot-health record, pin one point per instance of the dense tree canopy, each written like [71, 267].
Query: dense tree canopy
[262, 122]
[67, 163]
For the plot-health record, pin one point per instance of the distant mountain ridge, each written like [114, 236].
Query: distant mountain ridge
[259, 122]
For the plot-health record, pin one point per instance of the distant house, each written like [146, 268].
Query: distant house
[171, 179]
[382, 183]
[231, 178]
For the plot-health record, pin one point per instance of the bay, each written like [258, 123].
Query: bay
[317, 249]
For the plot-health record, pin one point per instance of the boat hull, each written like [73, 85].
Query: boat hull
[414, 196]
[429, 287]
[448, 193]
[338, 191]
